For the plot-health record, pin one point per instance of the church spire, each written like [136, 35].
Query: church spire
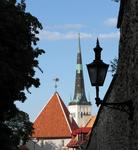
[79, 93]
[79, 46]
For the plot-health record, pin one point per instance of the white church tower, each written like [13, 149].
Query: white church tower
[79, 107]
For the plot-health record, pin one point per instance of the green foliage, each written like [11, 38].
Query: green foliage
[5, 140]
[114, 66]
[21, 128]
[18, 55]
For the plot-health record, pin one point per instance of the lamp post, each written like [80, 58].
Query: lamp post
[97, 71]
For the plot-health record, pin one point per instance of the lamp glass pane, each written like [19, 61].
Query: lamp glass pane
[93, 74]
[102, 70]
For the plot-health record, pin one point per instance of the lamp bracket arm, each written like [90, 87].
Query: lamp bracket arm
[126, 106]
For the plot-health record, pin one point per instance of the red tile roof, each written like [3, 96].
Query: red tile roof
[82, 130]
[85, 131]
[91, 122]
[75, 143]
[54, 120]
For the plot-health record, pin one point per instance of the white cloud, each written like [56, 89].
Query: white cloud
[67, 26]
[111, 22]
[113, 35]
[49, 35]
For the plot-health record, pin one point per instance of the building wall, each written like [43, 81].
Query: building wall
[51, 144]
[112, 129]
[80, 113]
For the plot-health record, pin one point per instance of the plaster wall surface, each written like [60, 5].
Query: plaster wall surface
[80, 113]
[45, 144]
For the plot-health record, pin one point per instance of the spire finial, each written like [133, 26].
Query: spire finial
[79, 35]
[79, 42]
[56, 80]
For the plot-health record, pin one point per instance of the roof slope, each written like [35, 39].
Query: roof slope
[85, 133]
[54, 120]
[91, 122]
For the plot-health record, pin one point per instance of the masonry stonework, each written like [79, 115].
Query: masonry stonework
[112, 129]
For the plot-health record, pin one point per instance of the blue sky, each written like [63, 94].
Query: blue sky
[62, 20]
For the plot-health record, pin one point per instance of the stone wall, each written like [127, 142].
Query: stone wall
[112, 129]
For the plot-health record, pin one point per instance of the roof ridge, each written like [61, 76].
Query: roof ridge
[65, 115]
[53, 120]
[44, 107]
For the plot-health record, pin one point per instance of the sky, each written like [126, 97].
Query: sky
[62, 20]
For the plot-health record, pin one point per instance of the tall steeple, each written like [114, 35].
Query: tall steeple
[79, 107]
[79, 93]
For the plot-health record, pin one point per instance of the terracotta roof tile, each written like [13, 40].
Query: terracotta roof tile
[54, 120]
[91, 122]
[74, 142]
[82, 130]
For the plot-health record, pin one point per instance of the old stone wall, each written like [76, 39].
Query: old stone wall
[112, 129]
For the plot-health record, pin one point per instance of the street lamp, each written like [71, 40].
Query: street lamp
[97, 71]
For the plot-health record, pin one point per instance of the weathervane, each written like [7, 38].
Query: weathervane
[56, 80]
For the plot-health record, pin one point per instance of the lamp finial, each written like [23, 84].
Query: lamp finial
[97, 43]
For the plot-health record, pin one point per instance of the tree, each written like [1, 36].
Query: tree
[18, 54]
[18, 59]
[21, 128]
[114, 63]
